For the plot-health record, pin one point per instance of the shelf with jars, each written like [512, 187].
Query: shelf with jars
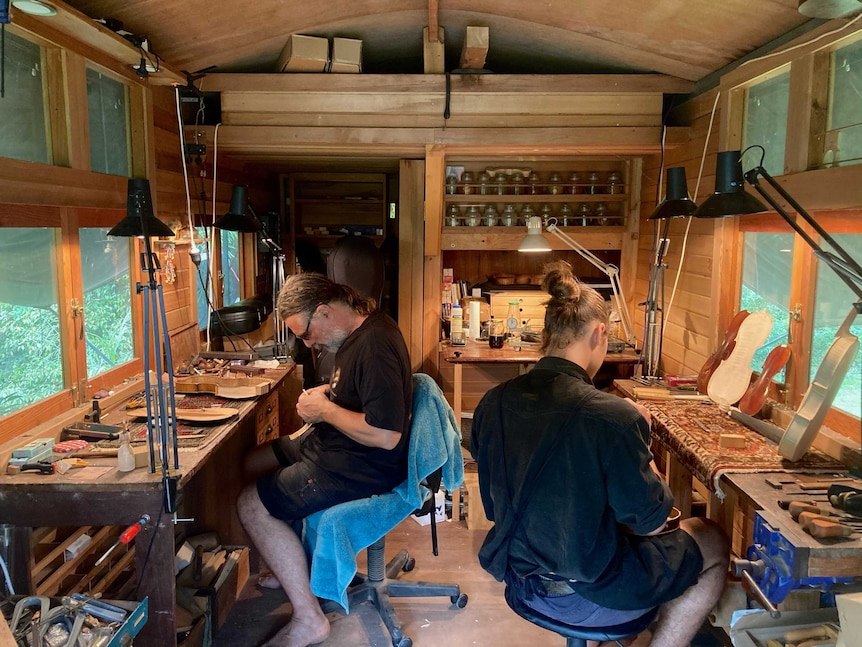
[506, 196]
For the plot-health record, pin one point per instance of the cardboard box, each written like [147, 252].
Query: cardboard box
[753, 629]
[850, 616]
[346, 55]
[304, 54]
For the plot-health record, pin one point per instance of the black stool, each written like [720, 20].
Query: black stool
[578, 636]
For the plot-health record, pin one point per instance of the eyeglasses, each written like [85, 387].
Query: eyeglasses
[304, 335]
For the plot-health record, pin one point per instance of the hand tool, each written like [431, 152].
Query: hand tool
[126, 536]
[823, 527]
[55, 465]
[798, 507]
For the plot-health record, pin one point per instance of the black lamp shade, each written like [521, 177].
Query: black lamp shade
[239, 216]
[677, 203]
[139, 220]
[730, 197]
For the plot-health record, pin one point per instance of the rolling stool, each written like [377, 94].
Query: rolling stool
[578, 636]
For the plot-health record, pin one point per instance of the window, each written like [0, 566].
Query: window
[230, 267]
[108, 114]
[767, 267]
[107, 300]
[227, 273]
[832, 304]
[31, 363]
[844, 130]
[24, 127]
[766, 120]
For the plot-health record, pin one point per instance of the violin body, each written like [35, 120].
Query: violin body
[806, 422]
[733, 376]
[237, 388]
[721, 353]
[755, 396]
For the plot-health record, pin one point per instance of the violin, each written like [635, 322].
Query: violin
[755, 396]
[733, 376]
[806, 422]
[721, 353]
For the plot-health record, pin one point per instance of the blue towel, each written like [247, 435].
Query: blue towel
[334, 536]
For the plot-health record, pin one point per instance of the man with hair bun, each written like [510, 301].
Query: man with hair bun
[565, 474]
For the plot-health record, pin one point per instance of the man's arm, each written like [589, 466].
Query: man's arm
[314, 405]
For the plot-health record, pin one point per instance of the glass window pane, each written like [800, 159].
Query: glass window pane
[23, 125]
[107, 300]
[31, 365]
[230, 265]
[766, 120]
[845, 108]
[832, 304]
[108, 111]
[767, 265]
[202, 280]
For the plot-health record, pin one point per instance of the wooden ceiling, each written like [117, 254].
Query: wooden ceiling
[686, 39]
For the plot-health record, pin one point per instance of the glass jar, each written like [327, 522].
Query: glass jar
[601, 214]
[509, 216]
[484, 183]
[467, 186]
[489, 217]
[555, 184]
[517, 183]
[546, 211]
[501, 183]
[594, 183]
[584, 214]
[472, 217]
[451, 184]
[527, 211]
[615, 183]
[534, 184]
[565, 215]
[574, 183]
[453, 215]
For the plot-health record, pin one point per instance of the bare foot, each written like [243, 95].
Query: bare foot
[301, 633]
[268, 581]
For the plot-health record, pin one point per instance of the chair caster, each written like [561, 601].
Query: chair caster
[459, 601]
[409, 565]
[404, 641]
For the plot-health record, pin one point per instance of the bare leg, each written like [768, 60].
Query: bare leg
[680, 619]
[281, 549]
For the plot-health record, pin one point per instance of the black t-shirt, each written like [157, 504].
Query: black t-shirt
[371, 374]
[598, 475]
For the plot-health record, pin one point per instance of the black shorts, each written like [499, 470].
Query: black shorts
[649, 572]
[299, 488]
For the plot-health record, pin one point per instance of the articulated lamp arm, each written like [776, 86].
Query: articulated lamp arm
[611, 271]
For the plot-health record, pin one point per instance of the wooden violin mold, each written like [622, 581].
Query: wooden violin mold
[237, 388]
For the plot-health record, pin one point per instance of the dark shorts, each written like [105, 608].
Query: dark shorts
[299, 488]
[651, 571]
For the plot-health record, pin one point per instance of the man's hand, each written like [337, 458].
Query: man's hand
[641, 409]
[313, 403]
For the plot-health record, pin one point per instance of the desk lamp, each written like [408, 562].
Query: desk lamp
[676, 204]
[535, 241]
[241, 217]
[158, 365]
[730, 199]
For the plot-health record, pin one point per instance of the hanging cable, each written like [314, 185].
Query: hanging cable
[194, 252]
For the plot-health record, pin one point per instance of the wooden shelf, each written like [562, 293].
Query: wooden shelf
[534, 199]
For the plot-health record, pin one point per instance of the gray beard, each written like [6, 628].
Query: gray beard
[336, 341]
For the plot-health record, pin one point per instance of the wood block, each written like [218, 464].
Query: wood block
[476, 519]
[728, 441]
[475, 48]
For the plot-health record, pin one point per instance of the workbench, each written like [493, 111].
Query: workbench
[479, 355]
[209, 482]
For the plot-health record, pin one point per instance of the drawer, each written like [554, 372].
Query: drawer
[266, 419]
[266, 407]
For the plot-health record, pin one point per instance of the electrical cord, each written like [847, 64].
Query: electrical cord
[8, 579]
[194, 252]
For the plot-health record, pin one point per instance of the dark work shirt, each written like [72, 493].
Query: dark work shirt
[598, 475]
[371, 374]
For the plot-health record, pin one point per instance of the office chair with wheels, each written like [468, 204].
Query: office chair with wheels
[333, 537]
[578, 636]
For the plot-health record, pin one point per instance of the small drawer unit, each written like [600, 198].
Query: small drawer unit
[531, 307]
[266, 419]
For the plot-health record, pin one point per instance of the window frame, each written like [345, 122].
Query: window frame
[829, 194]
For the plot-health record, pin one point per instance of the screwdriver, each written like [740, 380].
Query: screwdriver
[126, 536]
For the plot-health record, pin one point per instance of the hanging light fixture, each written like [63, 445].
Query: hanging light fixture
[239, 216]
[140, 220]
[35, 7]
[677, 202]
[828, 9]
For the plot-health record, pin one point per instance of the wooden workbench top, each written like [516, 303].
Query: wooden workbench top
[476, 352]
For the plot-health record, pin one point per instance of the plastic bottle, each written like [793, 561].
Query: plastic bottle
[456, 331]
[125, 457]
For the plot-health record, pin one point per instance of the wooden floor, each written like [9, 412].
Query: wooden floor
[429, 622]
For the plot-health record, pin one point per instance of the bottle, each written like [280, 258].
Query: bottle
[125, 457]
[456, 330]
[496, 333]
